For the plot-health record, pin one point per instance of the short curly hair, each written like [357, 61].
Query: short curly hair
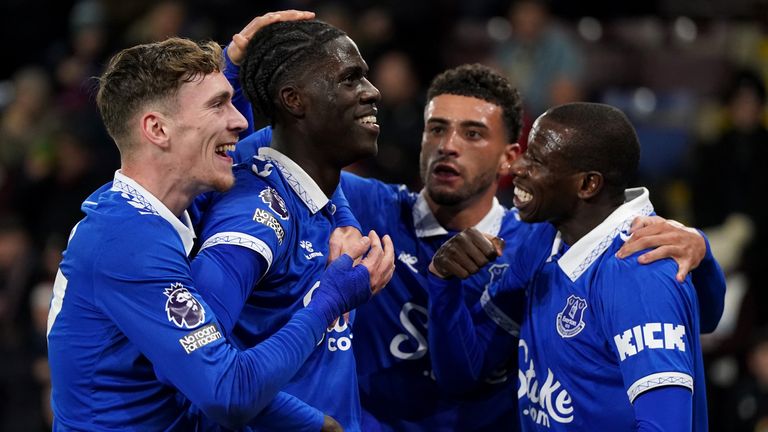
[482, 82]
[279, 52]
[150, 72]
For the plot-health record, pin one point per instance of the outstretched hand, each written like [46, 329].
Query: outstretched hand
[669, 238]
[465, 254]
[236, 48]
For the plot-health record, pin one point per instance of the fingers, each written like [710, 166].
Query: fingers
[670, 239]
[464, 254]
[388, 263]
[260, 22]
[644, 221]
[341, 239]
[357, 248]
[497, 242]
[647, 236]
[236, 49]
[380, 261]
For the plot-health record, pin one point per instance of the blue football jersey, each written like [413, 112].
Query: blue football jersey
[281, 220]
[599, 331]
[397, 388]
[129, 335]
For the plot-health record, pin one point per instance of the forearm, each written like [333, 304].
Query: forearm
[343, 216]
[457, 353]
[249, 380]
[665, 409]
[232, 72]
[289, 413]
[709, 281]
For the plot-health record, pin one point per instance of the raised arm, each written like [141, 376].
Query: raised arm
[460, 339]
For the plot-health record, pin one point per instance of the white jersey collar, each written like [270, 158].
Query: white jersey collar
[576, 260]
[426, 224]
[147, 203]
[301, 183]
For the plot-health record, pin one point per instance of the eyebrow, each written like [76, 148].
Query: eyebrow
[222, 96]
[464, 123]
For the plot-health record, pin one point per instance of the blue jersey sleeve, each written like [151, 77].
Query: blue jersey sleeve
[289, 414]
[149, 295]
[343, 216]
[709, 281]
[225, 276]
[665, 409]
[249, 146]
[464, 345]
[651, 322]
[232, 72]
[367, 196]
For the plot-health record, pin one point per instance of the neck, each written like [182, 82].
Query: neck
[463, 215]
[587, 217]
[165, 184]
[301, 151]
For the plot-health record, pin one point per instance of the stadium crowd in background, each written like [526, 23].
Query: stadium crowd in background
[665, 66]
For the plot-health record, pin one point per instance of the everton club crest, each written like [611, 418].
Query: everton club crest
[571, 320]
[182, 307]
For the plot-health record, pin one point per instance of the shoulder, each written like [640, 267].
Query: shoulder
[370, 195]
[626, 280]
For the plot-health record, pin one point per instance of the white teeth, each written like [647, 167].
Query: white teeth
[367, 119]
[223, 148]
[522, 195]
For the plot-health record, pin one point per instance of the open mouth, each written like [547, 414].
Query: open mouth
[368, 122]
[222, 149]
[445, 171]
[522, 196]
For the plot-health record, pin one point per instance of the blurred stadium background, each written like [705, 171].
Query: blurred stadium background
[691, 75]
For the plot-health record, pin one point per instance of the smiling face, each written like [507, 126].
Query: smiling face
[341, 103]
[203, 127]
[546, 186]
[464, 150]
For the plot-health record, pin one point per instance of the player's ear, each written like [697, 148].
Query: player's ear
[155, 128]
[511, 152]
[291, 101]
[591, 183]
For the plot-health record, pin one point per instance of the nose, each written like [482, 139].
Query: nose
[449, 144]
[237, 121]
[370, 94]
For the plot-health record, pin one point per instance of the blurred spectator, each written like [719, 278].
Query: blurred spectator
[727, 188]
[728, 177]
[164, 19]
[58, 195]
[540, 57]
[25, 128]
[18, 273]
[78, 60]
[749, 399]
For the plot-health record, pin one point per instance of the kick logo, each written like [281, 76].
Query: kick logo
[182, 307]
[570, 321]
